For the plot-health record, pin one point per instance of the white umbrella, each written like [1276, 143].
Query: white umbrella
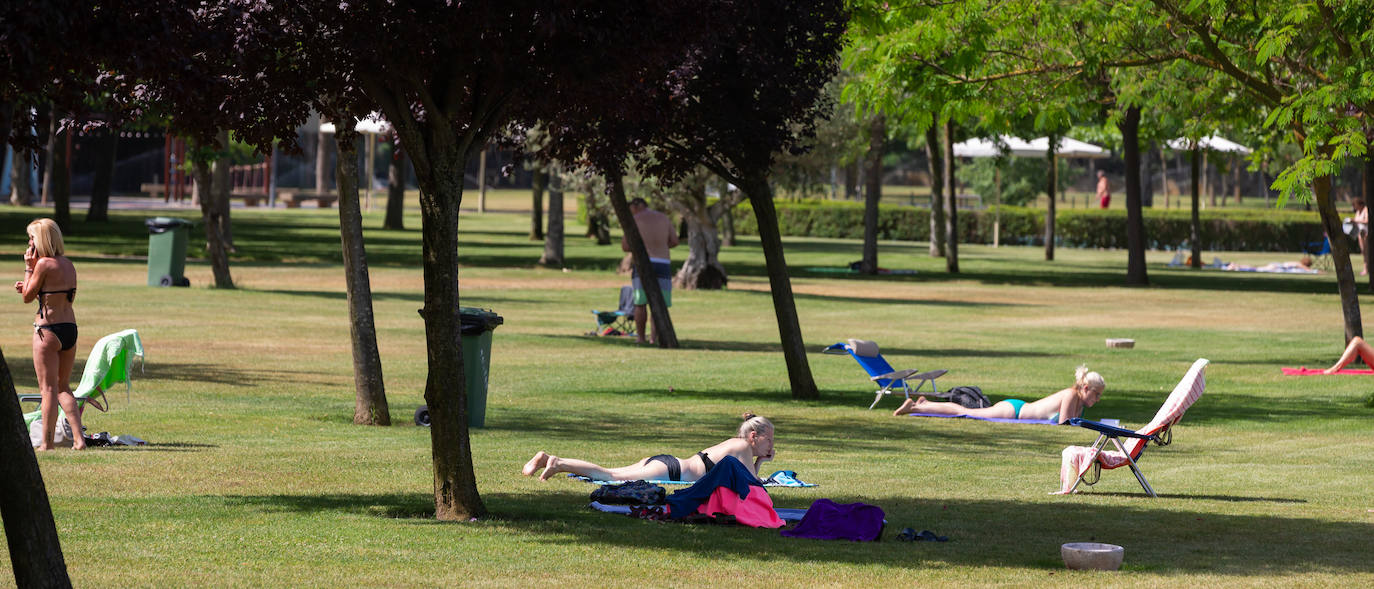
[1016, 146]
[372, 124]
[1211, 142]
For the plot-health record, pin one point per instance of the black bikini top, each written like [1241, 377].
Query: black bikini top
[71, 296]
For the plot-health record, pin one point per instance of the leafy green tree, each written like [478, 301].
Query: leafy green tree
[1309, 64]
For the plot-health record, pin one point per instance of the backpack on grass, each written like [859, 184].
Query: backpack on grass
[969, 396]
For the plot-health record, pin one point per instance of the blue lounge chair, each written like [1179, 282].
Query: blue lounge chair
[879, 371]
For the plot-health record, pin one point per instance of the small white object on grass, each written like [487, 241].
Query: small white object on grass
[1092, 556]
[1120, 342]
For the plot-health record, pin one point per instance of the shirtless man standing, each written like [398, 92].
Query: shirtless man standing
[659, 235]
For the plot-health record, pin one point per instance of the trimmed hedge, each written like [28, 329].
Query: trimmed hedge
[1232, 230]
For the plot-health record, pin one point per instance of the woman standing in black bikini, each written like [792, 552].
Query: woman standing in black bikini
[752, 447]
[50, 278]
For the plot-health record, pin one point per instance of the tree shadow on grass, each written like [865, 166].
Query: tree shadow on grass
[716, 345]
[206, 373]
[1162, 536]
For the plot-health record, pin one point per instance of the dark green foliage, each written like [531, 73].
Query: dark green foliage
[1222, 230]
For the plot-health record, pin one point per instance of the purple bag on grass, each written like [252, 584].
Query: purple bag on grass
[827, 520]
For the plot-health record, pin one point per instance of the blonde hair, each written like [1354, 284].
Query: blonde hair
[47, 238]
[754, 423]
[1086, 378]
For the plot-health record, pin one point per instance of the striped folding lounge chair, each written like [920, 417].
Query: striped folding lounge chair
[879, 371]
[1084, 464]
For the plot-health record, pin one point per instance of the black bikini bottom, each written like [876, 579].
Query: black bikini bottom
[65, 332]
[674, 467]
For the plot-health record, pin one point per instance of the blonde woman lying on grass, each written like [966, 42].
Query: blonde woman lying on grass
[1058, 407]
[752, 446]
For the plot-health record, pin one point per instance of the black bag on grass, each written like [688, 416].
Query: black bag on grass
[969, 396]
[631, 493]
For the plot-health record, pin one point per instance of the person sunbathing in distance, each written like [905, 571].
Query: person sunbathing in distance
[752, 446]
[1058, 407]
[1356, 347]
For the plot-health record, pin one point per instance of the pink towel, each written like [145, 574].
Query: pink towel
[1305, 371]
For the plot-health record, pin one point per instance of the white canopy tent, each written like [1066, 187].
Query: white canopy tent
[372, 125]
[1210, 142]
[1206, 144]
[1068, 147]
[1015, 146]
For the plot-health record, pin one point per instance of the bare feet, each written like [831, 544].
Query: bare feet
[1331, 370]
[908, 406]
[551, 469]
[42, 448]
[81, 447]
[540, 459]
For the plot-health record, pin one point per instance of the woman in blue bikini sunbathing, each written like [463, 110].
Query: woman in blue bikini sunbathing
[752, 447]
[1059, 407]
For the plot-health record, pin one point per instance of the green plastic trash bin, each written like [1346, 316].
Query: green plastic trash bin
[477, 325]
[167, 251]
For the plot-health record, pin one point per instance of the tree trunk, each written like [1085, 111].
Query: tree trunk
[664, 333]
[873, 192]
[369, 405]
[322, 143]
[219, 193]
[21, 190]
[553, 238]
[482, 180]
[1147, 178]
[219, 257]
[1207, 186]
[702, 270]
[1164, 174]
[439, 172]
[598, 225]
[951, 200]
[1195, 228]
[934, 157]
[47, 120]
[726, 223]
[1051, 187]
[538, 182]
[851, 180]
[784, 306]
[1135, 221]
[1340, 257]
[30, 531]
[62, 182]
[1235, 177]
[396, 189]
[104, 174]
[1368, 197]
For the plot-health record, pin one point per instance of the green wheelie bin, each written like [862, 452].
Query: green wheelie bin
[476, 329]
[167, 251]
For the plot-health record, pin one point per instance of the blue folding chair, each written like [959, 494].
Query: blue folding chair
[620, 320]
[1320, 251]
[879, 371]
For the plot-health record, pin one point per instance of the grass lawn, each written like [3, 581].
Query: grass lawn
[254, 475]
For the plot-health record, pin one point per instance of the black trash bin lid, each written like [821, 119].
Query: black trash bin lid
[475, 321]
[163, 224]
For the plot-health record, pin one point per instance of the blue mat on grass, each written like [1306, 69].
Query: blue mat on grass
[1111, 422]
[781, 478]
